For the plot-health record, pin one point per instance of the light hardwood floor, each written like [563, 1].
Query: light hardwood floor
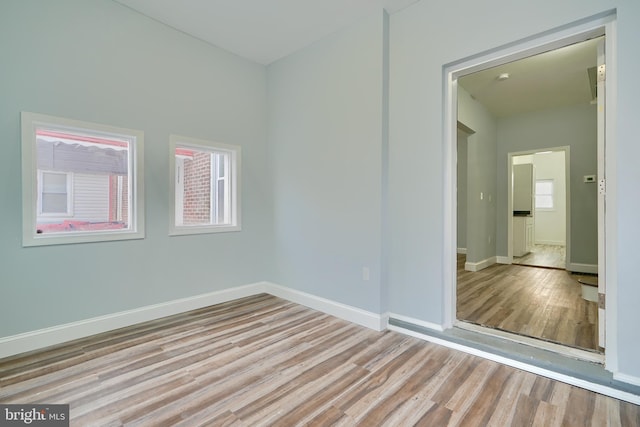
[537, 302]
[263, 361]
[544, 256]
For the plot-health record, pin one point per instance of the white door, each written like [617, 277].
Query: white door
[601, 193]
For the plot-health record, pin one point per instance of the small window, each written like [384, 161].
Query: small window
[205, 186]
[82, 182]
[54, 194]
[544, 194]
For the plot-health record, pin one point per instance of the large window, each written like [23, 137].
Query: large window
[205, 186]
[82, 182]
[544, 194]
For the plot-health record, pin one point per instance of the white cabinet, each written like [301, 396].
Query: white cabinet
[523, 188]
[523, 208]
[522, 235]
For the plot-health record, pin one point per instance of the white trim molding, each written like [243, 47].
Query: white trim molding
[504, 259]
[41, 338]
[477, 266]
[352, 314]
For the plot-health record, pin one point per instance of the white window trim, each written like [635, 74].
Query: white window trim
[553, 194]
[227, 182]
[30, 123]
[233, 196]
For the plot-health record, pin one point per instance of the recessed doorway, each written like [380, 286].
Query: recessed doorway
[488, 257]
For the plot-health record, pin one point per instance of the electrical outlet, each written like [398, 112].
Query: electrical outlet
[365, 273]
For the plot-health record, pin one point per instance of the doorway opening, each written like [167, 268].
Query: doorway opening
[540, 201]
[487, 258]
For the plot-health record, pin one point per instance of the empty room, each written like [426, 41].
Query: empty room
[250, 213]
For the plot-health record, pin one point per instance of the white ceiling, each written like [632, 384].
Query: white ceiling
[261, 30]
[552, 79]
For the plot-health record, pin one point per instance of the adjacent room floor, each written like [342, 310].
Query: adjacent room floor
[263, 361]
[537, 302]
[553, 256]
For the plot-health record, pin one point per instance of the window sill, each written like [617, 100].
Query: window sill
[198, 229]
[75, 237]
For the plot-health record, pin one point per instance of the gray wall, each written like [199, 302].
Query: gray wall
[101, 62]
[326, 141]
[461, 218]
[481, 178]
[573, 126]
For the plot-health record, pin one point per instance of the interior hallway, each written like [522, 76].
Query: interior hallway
[537, 302]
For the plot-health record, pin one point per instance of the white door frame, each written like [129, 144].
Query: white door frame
[179, 192]
[602, 194]
[603, 24]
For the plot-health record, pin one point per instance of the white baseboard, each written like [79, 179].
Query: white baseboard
[415, 321]
[582, 268]
[461, 251]
[352, 314]
[598, 388]
[46, 337]
[504, 259]
[477, 266]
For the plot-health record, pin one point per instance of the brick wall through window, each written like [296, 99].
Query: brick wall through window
[197, 189]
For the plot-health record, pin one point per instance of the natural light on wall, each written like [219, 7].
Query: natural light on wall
[82, 182]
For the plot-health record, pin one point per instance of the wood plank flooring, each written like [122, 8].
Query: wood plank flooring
[544, 256]
[537, 302]
[263, 361]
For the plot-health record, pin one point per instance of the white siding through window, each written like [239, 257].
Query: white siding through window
[91, 197]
